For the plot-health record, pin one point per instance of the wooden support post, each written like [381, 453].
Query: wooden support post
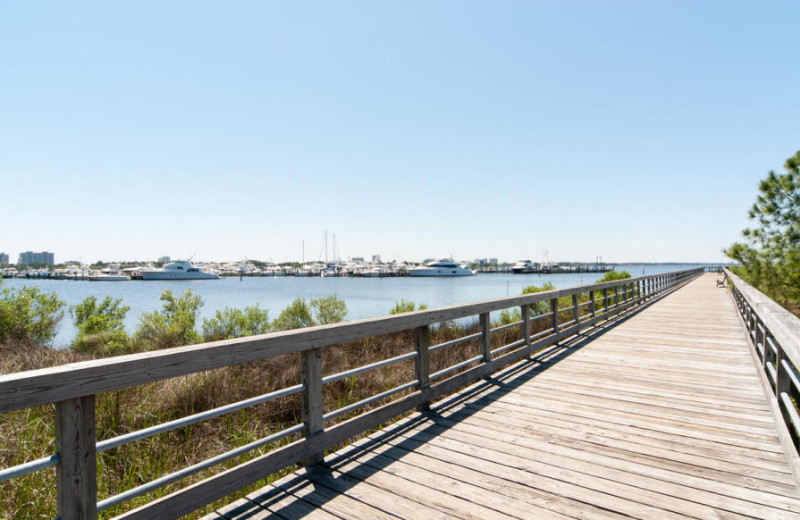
[312, 399]
[783, 382]
[486, 343]
[616, 296]
[76, 472]
[422, 342]
[759, 339]
[525, 312]
[605, 301]
[554, 317]
[576, 311]
[592, 309]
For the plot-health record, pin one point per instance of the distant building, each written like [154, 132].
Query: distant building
[41, 258]
[493, 261]
[164, 259]
[357, 259]
[481, 262]
[3, 258]
[376, 259]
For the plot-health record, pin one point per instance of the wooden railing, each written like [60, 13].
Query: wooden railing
[72, 388]
[775, 334]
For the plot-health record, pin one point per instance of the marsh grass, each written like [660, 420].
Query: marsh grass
[29, 434]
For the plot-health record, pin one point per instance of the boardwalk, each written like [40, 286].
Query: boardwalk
[662, 417]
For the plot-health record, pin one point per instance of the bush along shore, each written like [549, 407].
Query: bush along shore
[28, 319]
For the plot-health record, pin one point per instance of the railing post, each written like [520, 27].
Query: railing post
[76, 472]
[422, 342]
[782, 383]
[759, 340]
[605, 300]
[525, 312]
[592, 309]
[576, 311]
[554, 317]
[616, 297]
[486, 343]
[312, 399]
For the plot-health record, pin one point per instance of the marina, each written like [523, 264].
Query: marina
[184, 270]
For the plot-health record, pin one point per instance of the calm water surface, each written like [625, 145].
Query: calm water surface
[365, 297]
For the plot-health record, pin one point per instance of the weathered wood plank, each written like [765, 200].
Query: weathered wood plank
[76, 473]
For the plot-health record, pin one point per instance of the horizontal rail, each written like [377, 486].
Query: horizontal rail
[191, 470]
[366, 368]
[455, 367]
[192, 419]
[454, 342]
[369, 400]
[29, 467]
[517, 343]
[506, 326]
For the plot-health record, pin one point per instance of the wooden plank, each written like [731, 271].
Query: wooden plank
[531, 456]
[76, 472]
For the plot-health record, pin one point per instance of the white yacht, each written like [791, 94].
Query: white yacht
[178, 270]
[524, 266]
[442, 267]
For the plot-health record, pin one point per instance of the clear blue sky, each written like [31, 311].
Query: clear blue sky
[634, 130]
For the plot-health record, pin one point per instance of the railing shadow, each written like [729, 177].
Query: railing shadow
[315, 487]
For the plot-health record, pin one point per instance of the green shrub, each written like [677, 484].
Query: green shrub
[101, 328]
[540, 307]
[28, 315]
[329, 309]
[296, 316]
[320, 311]
[613, 276]
[236, 323]
[173, 325]
[508, 316]
[404, 306]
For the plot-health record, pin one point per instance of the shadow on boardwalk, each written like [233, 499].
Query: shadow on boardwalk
[322, 483]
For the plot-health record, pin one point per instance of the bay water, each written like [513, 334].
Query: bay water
[365, 297]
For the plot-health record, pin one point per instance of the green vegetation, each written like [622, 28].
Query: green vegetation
[770, 255]
[296, 316]
[613, 276]
[101, 328]
[404, 306]
[236, 323]
[329, 309]
[173, 325]
[29, 316]
[540, 307]
[320, 311]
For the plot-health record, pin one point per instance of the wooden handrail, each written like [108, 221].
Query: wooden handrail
[775, 335]
[73, 387]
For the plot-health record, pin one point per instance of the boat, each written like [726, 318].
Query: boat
[107, 277]
[524, 267]
[112, 273]
[178, 270]
[442, 267]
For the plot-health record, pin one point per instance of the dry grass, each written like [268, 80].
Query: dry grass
[29, 434]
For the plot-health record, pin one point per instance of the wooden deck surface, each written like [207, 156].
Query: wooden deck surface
[660, 417]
